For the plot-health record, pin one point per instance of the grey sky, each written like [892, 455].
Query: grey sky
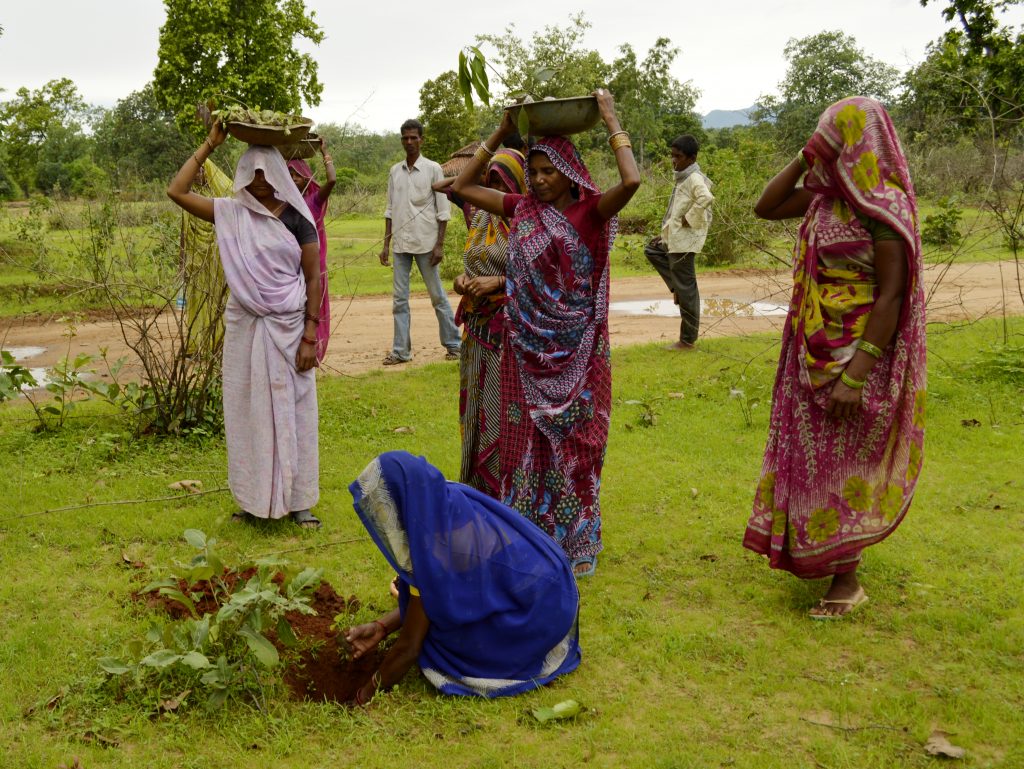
[376, 55]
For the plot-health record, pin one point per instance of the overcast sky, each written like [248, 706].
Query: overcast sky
[376, 55]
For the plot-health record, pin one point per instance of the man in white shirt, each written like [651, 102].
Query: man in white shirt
[683, 231]
[415, 221]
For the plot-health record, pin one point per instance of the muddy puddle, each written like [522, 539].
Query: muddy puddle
[715, 307]
[24, 356]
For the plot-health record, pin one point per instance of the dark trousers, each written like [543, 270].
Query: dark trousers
[680, 275]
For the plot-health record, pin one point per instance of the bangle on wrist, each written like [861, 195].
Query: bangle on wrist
[618, 140]
[849, 381]
[382, 626]
[488, 150]
[307, 340]
[804, 165]
[873, 350]
[313, 318]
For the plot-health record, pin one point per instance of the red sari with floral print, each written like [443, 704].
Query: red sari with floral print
[830, 487]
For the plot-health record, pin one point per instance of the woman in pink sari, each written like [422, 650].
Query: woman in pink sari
[847, 425]
[556, 362]
[316, 197]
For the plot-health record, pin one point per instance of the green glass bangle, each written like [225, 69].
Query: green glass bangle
[849, 381]
[871, 349]
[803, 161]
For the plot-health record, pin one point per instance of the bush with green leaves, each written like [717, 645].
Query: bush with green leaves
[225, 653]
[13, 377]
[943, 227]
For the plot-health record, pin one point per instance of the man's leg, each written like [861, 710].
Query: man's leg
[659, 259]
[449, 332]
[401, 346]
[684, 276]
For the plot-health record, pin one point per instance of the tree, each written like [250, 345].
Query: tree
[235, 49]
[577, 70]
[972, 79]
[823, 68]
[449, 124]
[138, 140]
[53, 115]
[650, 101]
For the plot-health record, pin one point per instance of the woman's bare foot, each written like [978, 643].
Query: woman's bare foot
[844, 595]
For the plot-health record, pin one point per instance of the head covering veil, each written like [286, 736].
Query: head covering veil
[275, 171]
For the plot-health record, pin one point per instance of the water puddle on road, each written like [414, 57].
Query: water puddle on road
[24, 354]
[716, 307]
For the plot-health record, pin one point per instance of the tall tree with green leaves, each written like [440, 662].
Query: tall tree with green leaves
[138, 140]
[240, 49]
[43, 126]
[448, 123]
[823, 68]
[972, 80]
[654, 105]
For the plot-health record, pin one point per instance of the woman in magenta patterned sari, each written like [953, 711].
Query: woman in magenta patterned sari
[847, 426]
[556, 363]
[316, 197]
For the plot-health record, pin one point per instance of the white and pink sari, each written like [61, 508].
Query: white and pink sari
[270, 408]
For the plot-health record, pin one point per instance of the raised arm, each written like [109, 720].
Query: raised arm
[332, 177]
[614, 199]
[467, 184]
[180, 188]
[781, 198]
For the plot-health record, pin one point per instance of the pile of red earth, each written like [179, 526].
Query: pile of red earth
[319, 668]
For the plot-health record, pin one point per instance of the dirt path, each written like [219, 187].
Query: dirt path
[363, 327]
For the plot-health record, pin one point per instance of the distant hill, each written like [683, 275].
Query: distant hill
[725, 118]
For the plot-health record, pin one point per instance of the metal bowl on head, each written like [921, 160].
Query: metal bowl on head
[558, 117]
[302, 149]
[271, 135]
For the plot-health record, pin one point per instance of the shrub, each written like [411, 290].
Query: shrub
[943, 227]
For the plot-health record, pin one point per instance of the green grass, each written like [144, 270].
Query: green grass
[695, 654]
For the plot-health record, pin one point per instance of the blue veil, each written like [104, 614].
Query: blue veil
[499, 593]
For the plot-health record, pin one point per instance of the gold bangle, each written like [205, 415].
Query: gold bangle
[481, 154]
[873, 350]
[849, 381]
[805, 167]
[620, 140]
[488, 150]
[616, 133]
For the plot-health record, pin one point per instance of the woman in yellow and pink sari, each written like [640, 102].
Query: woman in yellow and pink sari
[847, 426]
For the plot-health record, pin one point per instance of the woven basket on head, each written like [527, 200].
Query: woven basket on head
[270, 135]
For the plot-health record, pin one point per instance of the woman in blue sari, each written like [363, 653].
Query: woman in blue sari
[487, 601]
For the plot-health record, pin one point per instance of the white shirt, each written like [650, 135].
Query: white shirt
[414, 208]
[691, 201]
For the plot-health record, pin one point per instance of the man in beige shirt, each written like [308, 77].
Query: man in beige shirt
[415, 221]
[683, 231]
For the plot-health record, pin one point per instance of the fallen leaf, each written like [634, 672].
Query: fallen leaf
[970, 423]
[186, 485]
[694, 492]
[564, 709]
[405, 429]
[169, 706]
[677, 396]
[939, 745]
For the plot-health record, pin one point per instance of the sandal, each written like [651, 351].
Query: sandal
[859, 599]
[452, 355]
[241, 517]
[392, 360]
[306, 520]
[590, 561]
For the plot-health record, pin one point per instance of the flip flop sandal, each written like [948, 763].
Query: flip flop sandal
[590, 561]
[859, 599]
[392, 360]
[452, 355]
[306, 520]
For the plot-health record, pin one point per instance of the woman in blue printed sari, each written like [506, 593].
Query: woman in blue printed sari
[487, 601]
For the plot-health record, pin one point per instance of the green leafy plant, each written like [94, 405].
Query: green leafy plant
[943, 227]
[13, 377]
[222, 649]
[748, 400]
[472, 73]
